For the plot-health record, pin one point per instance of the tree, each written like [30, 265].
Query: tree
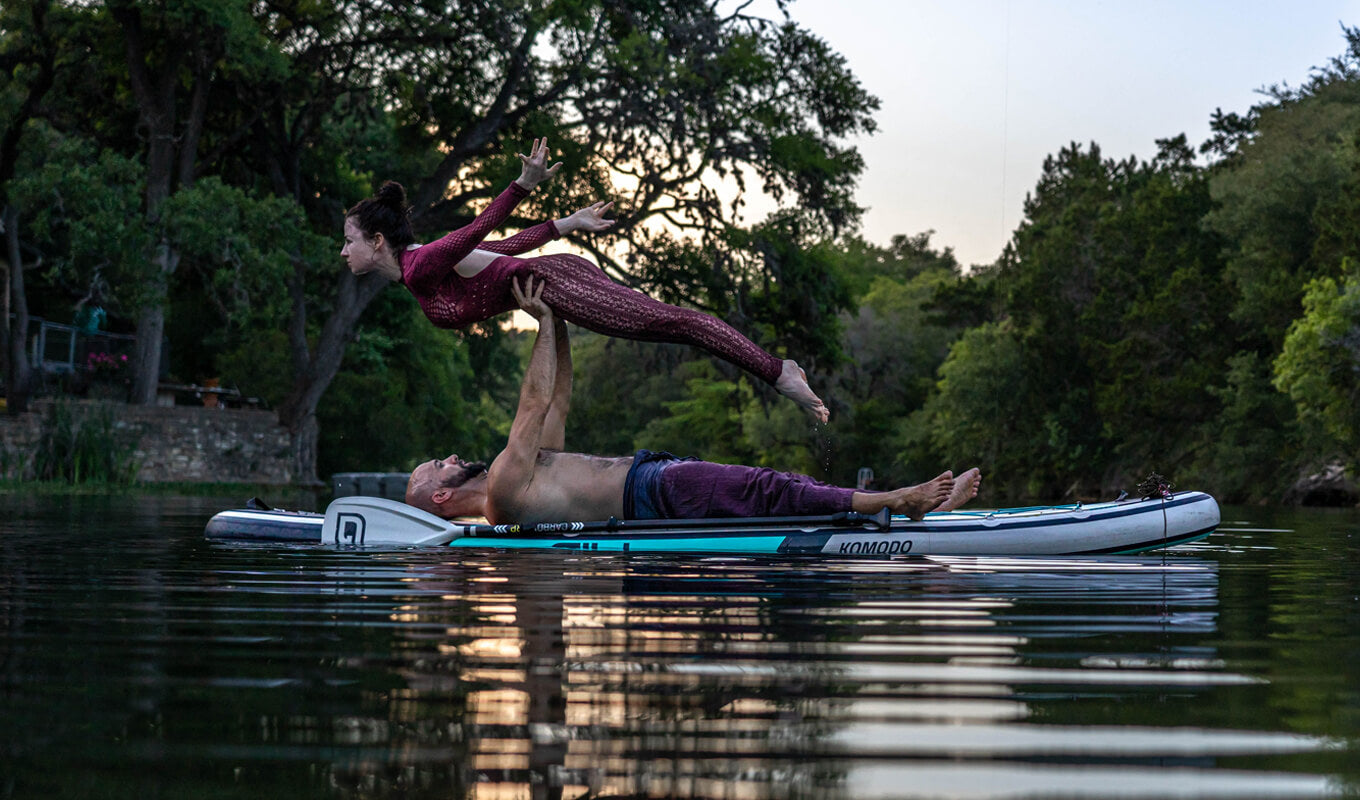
[1296, 159]
[1253, 446]
[1167, 332]
[89, 219]
[28, 66]
[1284, 205]
[895, 341]
[1319, 365]
[173, 49]
[987, 412]
[654, 102]
[1108, 311]
[85, 214]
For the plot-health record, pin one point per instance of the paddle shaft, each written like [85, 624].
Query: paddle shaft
[880, 521]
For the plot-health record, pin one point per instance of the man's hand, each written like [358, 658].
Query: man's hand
[535, 169]
[530, 298]
[590, 219]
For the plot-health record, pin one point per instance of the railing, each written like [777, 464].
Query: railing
[67, 359]
[59, 349]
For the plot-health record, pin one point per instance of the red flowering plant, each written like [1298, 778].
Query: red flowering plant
[106, 365]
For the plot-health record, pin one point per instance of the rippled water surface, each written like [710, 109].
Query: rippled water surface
[139, 661]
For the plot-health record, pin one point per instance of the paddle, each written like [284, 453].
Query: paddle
[376, 520]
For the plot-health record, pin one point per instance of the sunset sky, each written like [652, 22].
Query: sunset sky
[975, 93]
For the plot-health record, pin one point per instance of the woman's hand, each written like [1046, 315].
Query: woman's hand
[535, 167]
[590, 219]
[530, 298]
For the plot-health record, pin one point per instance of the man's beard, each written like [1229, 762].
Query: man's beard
[471, 471]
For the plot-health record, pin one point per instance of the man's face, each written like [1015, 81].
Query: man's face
[449, 472]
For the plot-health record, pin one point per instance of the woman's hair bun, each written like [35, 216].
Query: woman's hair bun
[392, 194]
[387, 213]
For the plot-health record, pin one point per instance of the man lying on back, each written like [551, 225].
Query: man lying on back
[534, 481]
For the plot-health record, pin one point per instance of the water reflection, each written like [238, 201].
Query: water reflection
[162, 664]
[636, 678]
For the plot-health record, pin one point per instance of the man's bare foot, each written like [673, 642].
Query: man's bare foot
[915, 501]
[792, 383]
[965, 489]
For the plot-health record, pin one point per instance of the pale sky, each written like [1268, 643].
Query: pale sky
[975, 93]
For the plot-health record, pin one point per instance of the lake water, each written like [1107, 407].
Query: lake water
[140, 661]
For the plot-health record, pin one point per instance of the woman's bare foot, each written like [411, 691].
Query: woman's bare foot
[914, 501]
[792, 383]
[965, 489]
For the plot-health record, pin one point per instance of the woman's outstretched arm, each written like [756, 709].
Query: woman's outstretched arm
[591, 218]
[426, 266]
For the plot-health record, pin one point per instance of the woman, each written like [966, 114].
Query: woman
[461, 279]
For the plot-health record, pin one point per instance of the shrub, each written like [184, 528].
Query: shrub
[84, 446]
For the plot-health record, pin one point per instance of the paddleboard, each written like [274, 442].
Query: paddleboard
[1114, 527]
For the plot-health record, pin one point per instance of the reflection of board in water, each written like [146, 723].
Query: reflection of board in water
[1123, 526]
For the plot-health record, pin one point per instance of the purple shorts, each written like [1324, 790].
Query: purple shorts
[662, 486]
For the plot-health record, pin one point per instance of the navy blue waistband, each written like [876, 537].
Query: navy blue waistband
[642, 488]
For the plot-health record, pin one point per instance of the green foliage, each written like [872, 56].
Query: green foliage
[983, 410]
[862, 264]
[724, 421]
[242, 245]
[778, 436]
[81, 444]
[258, 366]
[1192, 319]
[237, 250]
[894, 346]
[630, 395]
[1299, 158]
[1319, 366]
[85, 211]
[1106, 338]
[618, 387]
[1167, 333]
[707, 420]
[407, 397]
[795, 291]
[1250, 451]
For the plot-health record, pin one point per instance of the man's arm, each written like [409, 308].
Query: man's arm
[513, 470]
[554, 435]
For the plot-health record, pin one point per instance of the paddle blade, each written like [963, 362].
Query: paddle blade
[377, 520]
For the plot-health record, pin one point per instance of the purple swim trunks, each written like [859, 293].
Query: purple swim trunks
[662, 486]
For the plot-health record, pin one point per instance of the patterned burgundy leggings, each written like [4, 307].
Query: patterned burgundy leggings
[582, 293]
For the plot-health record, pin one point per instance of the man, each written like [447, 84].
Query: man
[533, 481]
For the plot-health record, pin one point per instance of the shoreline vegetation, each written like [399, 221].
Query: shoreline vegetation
[286, 496]
[1193, 314]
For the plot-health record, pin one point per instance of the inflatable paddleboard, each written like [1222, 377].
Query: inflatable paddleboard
[1114, 527]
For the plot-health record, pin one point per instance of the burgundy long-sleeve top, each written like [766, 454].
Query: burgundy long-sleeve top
[453, 301]
[574, 288]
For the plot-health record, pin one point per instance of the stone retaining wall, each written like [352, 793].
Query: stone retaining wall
[174, 443]
[18, 441]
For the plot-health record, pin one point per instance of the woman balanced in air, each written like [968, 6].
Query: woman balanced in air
[462, 279]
